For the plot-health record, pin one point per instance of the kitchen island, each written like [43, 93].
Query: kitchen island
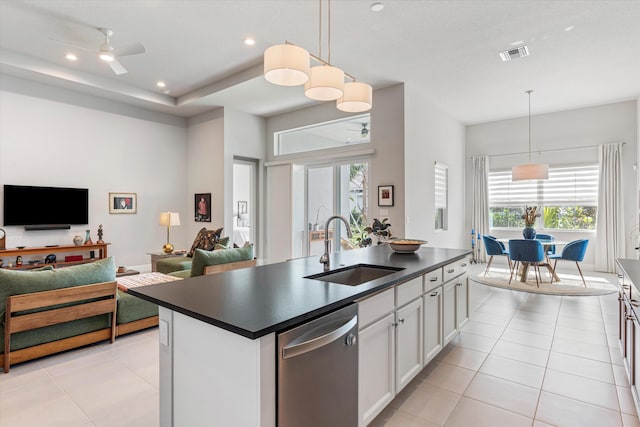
[218, 333]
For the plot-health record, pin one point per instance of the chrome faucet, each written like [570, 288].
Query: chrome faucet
[324, 259]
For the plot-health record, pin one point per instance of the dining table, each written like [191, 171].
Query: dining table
[546, 244]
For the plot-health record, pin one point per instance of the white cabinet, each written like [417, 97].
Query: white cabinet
[462, 300]
[408, 343]
[432, 323]
[449, 329]
[376, 368]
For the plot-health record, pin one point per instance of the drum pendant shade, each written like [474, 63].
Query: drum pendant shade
[357, 98]
[286, 65]
[326, 83]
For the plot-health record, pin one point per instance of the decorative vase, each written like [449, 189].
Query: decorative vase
[87, 239]
[77, 240]
[529, 232]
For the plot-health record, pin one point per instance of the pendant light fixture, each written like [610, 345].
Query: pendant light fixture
[288, 65]
[529, 170]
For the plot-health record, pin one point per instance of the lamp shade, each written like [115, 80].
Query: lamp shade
[326, 83]
[357, 98]
[529, 171]
[286, 65]
[169, 219]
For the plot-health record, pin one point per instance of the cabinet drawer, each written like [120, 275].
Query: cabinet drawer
[408, 291]
[373, 308]
[432, 279]
[449, 272]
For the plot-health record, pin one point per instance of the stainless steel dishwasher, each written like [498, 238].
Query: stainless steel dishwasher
[318, 372]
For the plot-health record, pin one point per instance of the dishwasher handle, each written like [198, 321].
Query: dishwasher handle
[297, 349]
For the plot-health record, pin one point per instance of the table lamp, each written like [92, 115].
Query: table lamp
[168, 219]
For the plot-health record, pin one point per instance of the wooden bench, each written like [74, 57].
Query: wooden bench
[92, 300]
[219, 268]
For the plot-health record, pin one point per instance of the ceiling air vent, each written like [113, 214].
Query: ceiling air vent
[518, 52]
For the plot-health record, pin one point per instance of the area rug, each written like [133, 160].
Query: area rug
[569, 284]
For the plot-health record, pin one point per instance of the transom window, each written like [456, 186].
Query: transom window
[568, 200]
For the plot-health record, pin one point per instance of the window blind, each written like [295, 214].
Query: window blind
[575, 185]
[440, 187]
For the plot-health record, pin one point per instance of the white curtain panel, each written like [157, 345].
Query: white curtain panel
[610, 219]
[480, 213]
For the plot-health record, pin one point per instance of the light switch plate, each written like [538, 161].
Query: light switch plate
[164, 332]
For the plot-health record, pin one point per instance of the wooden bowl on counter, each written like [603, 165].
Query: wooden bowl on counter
[406, 246]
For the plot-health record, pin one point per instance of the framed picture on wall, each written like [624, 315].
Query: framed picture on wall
[123, 203]
[202, 207]
[243, 207]
[385, 195]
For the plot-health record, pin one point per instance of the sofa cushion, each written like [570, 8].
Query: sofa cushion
[132, 308]
[169, 265]
[205, 239]
[201, 258]
[183, 274]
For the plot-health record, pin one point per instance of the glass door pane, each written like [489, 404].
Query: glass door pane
[320, 202]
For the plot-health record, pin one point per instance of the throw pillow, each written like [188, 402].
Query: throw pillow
[206, 240]
[201, 258]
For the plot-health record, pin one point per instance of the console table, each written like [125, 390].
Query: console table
[10, 255]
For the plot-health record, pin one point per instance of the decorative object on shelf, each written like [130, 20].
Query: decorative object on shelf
[122, 269]
[316, 225]
[530, 170]
[385, 195]
[123, 203]
[50, 259]
[3, 239]
[289, 65]
[202, 207]
[380, 229]
[406, 246]
[100, 241]
[78, 240]
[19, 261]
[168, 219]
[530, 214]
[87, 239]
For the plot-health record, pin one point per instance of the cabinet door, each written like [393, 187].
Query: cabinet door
[629, 347]
[432, 324]
[449, 311]
[376, 368]
[462, 301]
[408, 343]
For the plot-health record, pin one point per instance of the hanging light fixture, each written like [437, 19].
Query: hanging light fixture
[288, 65]
[530, 170]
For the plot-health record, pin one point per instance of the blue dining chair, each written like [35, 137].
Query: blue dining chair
[493, 247]
[573, 251]
[526, 251]
[551, 249]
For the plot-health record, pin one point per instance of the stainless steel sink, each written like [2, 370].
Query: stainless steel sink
[355, 275]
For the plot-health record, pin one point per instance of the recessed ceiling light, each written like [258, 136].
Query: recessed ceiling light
[161, 84]
[377, 7]
[249, 41]
[71, 57]
[569, 28]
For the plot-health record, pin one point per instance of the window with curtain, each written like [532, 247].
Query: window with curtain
[568, 200]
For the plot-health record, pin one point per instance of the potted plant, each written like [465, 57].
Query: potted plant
[529, 216]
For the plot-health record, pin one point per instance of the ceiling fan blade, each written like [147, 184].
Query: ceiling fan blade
[89, 49]
[117, 67]
[132, 49]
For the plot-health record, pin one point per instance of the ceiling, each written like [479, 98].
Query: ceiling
[583, 53]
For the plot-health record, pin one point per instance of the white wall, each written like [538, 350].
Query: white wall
[55, 137]
[431, 135]
[565, 129]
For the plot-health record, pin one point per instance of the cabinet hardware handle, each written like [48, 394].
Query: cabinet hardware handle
[401, 320]
[463, 264]
[434, 279]
[435, 294]
[626, 286]
[451, 270]
[635, 303]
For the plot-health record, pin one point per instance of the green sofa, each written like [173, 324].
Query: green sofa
[208, 262]
[132, 313]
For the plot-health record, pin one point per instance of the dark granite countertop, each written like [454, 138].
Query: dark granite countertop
[254, 302]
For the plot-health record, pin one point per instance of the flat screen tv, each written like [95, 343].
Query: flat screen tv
[29, 205]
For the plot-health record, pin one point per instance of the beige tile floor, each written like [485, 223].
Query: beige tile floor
[522, 360]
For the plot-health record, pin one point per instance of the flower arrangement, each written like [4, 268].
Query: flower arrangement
[380, 229]
[530, 215]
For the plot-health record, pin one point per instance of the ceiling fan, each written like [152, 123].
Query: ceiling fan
[364, 132]
[108, 53]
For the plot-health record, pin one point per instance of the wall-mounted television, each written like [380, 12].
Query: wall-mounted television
[31, 206]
